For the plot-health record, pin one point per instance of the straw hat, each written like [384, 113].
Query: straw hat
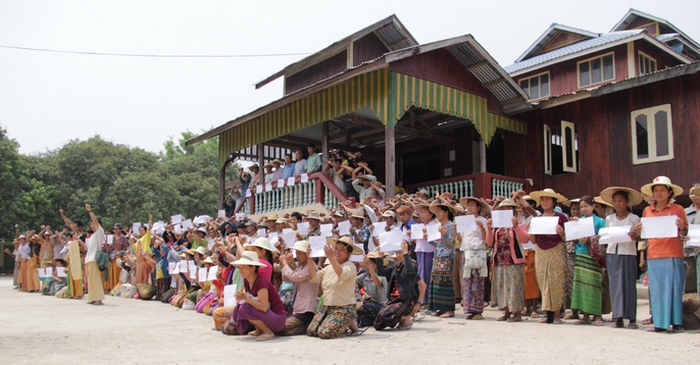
[249, 258]
[438, 203]
[208, 260]
[420, 203]
[281, 220]
[201, 250]
[264, 244]
[527, 197]
[276, 161]
[508, 203]
[537, 195]
[600, 201]
[389, 214]
[484, 207]
[189, 252]
[636, 198]
[313, 215]
[339, 214]
[661, 180]
[374, 254]
[571, 201]
[347, 241]
[358, 213]
[269, 164]
[273, 217]
[301, 246]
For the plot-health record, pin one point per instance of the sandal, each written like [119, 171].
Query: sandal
[515, 319]
[571, 316]
[557, 321]
[543, 320]
[598, 322]
[470, 316]
[581, 321]
[265, 337]
[633, 325]
[254, 333]
[654, 329]
[358, 332]
[677, 329]
[406, 326]
[648, 321]
[478, 316]
[534, 315]
[447, 315]
[618, 323]
[438, 313]
[503, 318]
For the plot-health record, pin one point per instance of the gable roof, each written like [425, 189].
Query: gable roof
[590, 46]
[390, 31]
[549, 34]
[634, 13]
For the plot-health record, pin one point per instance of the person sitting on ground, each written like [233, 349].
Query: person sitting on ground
[304, 294]
[373, 290]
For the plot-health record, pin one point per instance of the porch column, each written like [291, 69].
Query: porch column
[482, 156]
[390, 161]
[325, 130]
[222, 186]
[261, 162]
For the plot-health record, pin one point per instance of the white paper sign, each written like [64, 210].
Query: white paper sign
[193, 272]
[212, 272]
[187, 224]
[344, 228]
[610, 235]
[110, 239]
[176, 269]
[303, 228]
[659, 227]
[289, 237]
[177, 229]
[304, 177]
[357, 258]
[693, 235]
[544, 225]
[176, 219]
[221, 213]
[575, 230]
[248, 193]
[240, 216]
[417, 231]
[183, 266]
[61, 272]
[390, 241]
[135, 227]
[379, 228]
[327, 230]
[229, 295]
[41, 273]
[159, 227]
[464, 224]
[502, 219]
[171, 267]
[262, 233]
[202, 274]
[201, 220]
[317, 245]
[434, 232]
[273, 237]
[290, 181]
[48, 272]
[280, 183]
[268, 186]
[259, 189]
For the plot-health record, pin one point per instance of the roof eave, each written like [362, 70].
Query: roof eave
[547, 35]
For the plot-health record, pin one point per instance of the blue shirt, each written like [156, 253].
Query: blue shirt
[598, 223]
[288, 171]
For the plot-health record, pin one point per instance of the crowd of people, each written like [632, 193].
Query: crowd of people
[383, 262]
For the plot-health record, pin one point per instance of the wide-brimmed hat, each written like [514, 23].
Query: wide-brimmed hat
[600, 201]
[249, 258]
[375, 254]
[313, 215]
[420, 203]
[548, 192]
[277, 162]
[571, 201]
[485, 208]
[389, 214]
[339, 213]
[264, 224]
[251, 223]
[635, 197]
[208, 260]
[347, 241]
[189, 252]
[508, 203]
[201, 250]
[528, 197]
[281, 220]
[301, 246]
[202, 229]
[358, 213]
[661, 180]
[273, 217]
[264, 244]
[254, 166]
[269, 164]
[35, 237]
[441, 203]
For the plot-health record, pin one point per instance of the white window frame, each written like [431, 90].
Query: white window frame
[602, 80]
[651, 135]
[569, 149]
[539, 80]
[640, 63]
[547, 150]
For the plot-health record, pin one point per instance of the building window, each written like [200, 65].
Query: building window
[652, 134]
[536, 86]
[561, 153]
[646, 64]
[596, 70]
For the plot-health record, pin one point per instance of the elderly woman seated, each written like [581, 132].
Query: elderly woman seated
[338, 283]
[259, 305]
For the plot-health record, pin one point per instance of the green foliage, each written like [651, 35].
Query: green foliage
[122, 184]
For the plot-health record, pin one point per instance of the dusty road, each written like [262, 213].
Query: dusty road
[38, 329]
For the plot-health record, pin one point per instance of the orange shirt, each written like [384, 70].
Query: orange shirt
[663, 248]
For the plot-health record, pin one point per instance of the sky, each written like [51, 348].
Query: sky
[50, 98]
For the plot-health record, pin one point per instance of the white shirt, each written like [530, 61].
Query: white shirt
[475, 239]
[93, 244]
[624, 248]
[300, 167]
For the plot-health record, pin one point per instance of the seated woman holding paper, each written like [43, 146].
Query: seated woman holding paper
[338, 283]
[259, 305]
[550, 262]
[373, 290]
[508, 264]
[405, 290]
[587, 291]
[474, 264]
[621, 257]
[305, 292]
[665, 255]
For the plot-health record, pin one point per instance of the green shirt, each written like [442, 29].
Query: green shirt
[313, 163]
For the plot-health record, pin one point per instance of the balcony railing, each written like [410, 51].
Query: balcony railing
[482, 185]
[318, 189]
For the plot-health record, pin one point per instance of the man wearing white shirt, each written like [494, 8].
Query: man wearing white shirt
[95, 290]
[300, 164]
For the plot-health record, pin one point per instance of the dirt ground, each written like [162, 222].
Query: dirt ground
[39, 329]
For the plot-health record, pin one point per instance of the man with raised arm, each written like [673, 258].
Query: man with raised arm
[94, 280]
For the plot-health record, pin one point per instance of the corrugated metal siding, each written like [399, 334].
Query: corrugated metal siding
[391, 34]
[486, 73]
